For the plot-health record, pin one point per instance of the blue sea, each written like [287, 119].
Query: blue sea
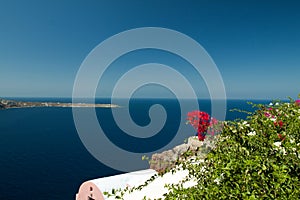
[42, 156]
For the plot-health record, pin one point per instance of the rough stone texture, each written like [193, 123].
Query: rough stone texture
[167, 159]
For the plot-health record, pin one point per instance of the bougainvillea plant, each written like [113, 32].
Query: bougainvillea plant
[203, 124]
[256, 158]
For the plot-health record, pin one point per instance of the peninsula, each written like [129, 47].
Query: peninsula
[6, 104]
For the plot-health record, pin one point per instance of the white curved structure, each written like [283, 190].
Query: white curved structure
[93, 190]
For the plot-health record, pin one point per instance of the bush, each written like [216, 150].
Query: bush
[257, 158]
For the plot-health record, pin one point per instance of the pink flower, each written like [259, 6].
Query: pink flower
[267, 114]
[297, 102]
[213, 121]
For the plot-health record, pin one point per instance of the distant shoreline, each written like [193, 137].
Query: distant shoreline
[8, 104]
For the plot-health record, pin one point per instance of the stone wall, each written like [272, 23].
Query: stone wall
[167, 159]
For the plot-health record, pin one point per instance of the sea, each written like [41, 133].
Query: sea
[42, 156]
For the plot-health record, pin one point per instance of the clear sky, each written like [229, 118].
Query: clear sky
[255, 44]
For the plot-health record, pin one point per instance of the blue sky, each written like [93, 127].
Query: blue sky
[255, 44]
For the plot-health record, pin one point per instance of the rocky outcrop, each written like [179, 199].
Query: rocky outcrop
[167, 159]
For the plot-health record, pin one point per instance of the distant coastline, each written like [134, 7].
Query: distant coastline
[7, 104]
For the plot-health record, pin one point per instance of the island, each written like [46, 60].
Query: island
[6, 104]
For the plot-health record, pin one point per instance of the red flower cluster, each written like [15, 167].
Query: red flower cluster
[280, 123]
[201, 136]
[281, 137]
[297, 102]
[202, 122]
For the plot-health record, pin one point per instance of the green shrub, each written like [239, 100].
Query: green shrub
[257, 158]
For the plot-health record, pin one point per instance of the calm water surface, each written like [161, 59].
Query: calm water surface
[43, 158]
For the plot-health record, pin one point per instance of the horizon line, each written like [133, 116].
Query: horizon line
[57, 97]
